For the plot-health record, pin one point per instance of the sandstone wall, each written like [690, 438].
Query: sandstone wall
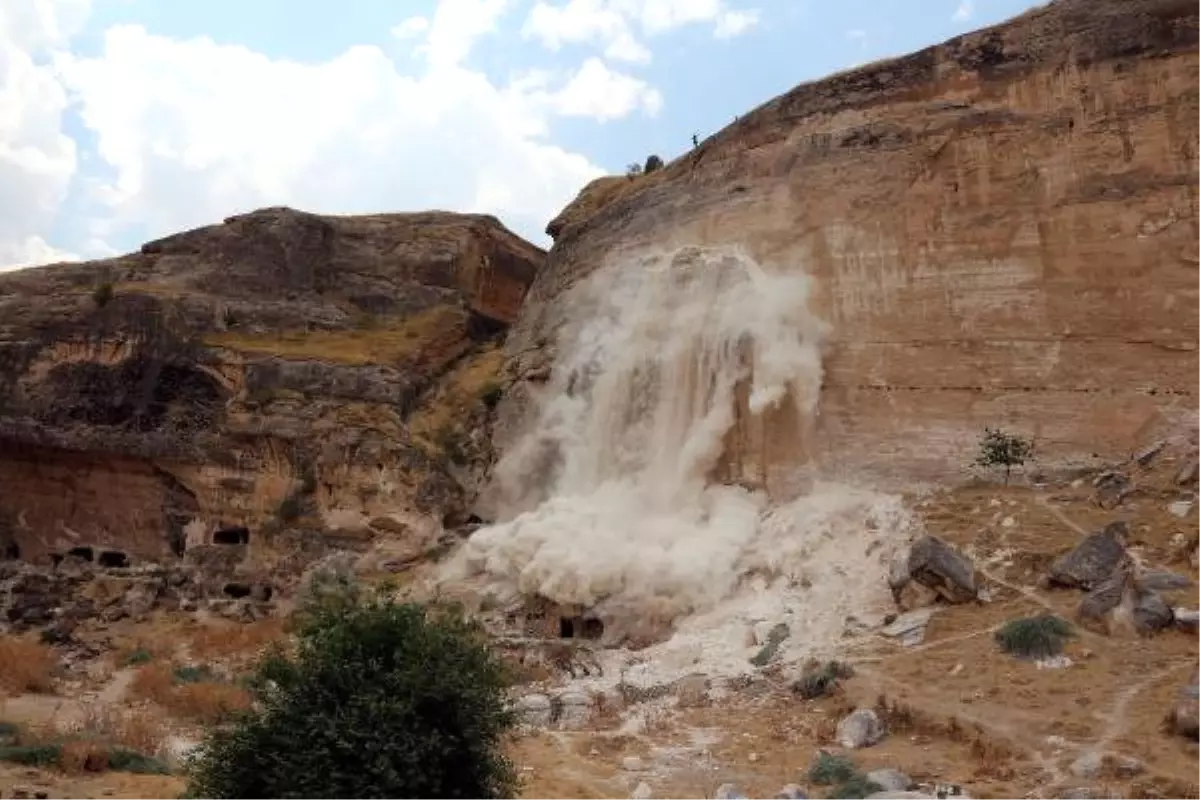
[1002, 230]
[275, 370]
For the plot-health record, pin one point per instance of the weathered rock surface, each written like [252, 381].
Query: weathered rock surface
[1184, 717]
[279, 365]
[1007, 183]
[1093, 560]
[940, 568]
[861, 728]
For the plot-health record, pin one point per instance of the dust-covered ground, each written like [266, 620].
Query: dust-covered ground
[958, 711]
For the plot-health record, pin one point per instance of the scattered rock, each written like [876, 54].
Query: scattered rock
[1093, 560]
[1151, 613]
[889, 780]
[1146, 457]
[534, 709]
[1184, 717]
[861, 728]
[727, 791]
[936, 565]
[1180, 508]
[575, 710]
[1087, 766]
[909, 627]
[1188, 472]
[1124, 766]
[1161, 580]
[691, 691]
[1187, 619]
[1111, 489]
[791, 791]
[631, 764]
[642, 792]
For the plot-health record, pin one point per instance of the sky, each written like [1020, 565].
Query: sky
[125, 120]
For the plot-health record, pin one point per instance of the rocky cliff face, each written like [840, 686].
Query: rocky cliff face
[1001, 230]
[280, 369]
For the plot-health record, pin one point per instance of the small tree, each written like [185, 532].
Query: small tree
[633, 170]
[379, 700]
[653, 164]
[102, 294]
[1000, 449]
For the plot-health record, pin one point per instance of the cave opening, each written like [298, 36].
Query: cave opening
[12, 552]
[234, 535]
[236, 590]
[113, 559]
[580, 628]
[83, 552]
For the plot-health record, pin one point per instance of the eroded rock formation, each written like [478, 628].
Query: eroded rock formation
[1002, 230]
[281, 366]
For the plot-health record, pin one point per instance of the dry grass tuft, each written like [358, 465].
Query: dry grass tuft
[26, 666]
[82, 755]
[245, 641]
[207, 702]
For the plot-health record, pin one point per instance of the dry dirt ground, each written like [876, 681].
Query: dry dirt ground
[958, 710]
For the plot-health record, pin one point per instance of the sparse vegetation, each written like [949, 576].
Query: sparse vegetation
[453, 443]
[205, 700]
[1000, 449]
[87, 749]
[137, 658]
[775, 638]
[491, 394]
[102, 294]
[380, 700]
[633, 170]
[194, 674]
[1042, 636]
[828, 770]
[822, 680]
[653, 164]
[26, 666]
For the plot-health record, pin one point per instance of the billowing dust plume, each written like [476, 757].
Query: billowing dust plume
[609, 498]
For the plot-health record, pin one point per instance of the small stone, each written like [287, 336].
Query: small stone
[1088, 765]
[727, 791]
[956, 669]
[691, 691]
[534, 709]
[791, 791]
[889, 780]
[1057, 742]
[752, 758]
[861, 728]
[631, 764]
[642, 792]
[1180, 508]
[1007, 522]
[1126, 766]
[909, 628]
[1161, 580]
[1187, 619]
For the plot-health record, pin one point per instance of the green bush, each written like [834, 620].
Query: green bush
[1042, 636]
[123, 760]
[653, 164]
[32, 755]
[138, 657]
[379, 700]
[201, 673]
[9, 731]
[823, 680]
[102, 294]
[829, 769]
[775, 638]
[1000, 449]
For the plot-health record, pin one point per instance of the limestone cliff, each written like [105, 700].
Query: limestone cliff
[1001, 229]
[279, 367]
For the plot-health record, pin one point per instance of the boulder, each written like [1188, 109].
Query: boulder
[936, 565]
[1151, 613]
[574, 710]
[727, 791]
[860, 728]
[1161, 580]
[1111, 489]
[642, 792]
[1184, 717]
[791, 791]
[534, 709]
[890, 780]
[1092, 560]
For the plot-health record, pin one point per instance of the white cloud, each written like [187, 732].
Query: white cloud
[965, 10]
[187, 132]
[37, 160]
[597, 92]
[735, 23]
[611, 24]
[411, 28]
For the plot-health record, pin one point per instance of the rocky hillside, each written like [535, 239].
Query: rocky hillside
[1001, 231]
[281, 367]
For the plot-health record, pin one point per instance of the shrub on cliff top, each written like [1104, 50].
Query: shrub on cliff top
[379, 700]
[1000, 449]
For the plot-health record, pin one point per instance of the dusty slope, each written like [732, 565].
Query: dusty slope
[1001, 228]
